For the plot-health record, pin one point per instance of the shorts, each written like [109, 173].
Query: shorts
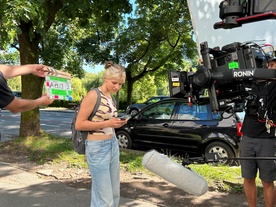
[258, 147]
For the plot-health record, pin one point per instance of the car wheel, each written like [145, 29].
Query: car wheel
[124, 140]
[223, 150]
[133, 112]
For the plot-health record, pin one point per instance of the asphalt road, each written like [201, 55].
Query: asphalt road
[55, 122]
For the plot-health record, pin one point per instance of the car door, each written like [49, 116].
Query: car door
[154, 124]
[190, 125]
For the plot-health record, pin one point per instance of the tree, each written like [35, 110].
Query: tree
[45, 31]
[157, 38]
[92, 80]
[78, 89]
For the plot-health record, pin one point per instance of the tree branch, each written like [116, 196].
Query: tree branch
[144, 54]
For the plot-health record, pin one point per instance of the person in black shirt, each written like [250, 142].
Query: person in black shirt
[259, 140]
[7, 98]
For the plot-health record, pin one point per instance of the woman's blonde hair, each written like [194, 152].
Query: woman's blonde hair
[114, 71]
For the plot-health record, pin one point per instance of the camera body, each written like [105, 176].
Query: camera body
[227, 74]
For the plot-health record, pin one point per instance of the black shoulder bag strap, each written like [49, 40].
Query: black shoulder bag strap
[98, 102]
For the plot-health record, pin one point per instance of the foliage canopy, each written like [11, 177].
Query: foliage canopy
[155, 37]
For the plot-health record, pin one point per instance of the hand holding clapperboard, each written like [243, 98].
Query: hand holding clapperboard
[58, 84]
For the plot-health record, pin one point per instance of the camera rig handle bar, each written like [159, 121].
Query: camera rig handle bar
[204, 76]
[244, 20]
[226, 87]
[235, 13]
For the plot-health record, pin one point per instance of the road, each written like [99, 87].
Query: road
[55, 122]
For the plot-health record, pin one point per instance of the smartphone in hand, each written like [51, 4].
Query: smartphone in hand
[126, 117]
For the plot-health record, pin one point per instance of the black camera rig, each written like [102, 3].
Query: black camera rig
[227, 73]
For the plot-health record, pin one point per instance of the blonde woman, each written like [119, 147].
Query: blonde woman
[102, 150]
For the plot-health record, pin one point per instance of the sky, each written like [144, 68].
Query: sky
[92, 69]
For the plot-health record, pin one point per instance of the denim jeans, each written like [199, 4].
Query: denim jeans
[102, 157]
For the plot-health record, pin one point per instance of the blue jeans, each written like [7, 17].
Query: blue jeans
[102, 157]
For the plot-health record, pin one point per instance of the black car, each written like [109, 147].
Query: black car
[17, 94]
[135, 108]
[176, 125]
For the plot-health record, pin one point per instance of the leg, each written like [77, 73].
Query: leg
[115, 172]
[98, 157]
[249, 170]
[269, 194]
[250, 191]
[267, 170]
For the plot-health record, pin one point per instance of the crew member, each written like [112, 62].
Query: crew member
[259, 140]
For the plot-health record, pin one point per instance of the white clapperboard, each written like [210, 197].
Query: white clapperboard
[58, 84]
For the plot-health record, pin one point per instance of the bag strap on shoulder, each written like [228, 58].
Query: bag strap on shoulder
[114, 100]
[98, 102]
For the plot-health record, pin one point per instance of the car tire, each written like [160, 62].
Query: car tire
[124, 140]
[223, 150]
[133, 112]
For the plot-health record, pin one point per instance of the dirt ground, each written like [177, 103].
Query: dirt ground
[142, 186]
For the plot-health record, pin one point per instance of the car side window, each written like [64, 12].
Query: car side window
[216, 115]
[187, 112]
[202, 112]
[160, 111]
[196, 112]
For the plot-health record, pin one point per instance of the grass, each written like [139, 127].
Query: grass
[56, 149]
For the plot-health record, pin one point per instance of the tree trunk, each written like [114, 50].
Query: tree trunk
[31, 85]
[129, 87]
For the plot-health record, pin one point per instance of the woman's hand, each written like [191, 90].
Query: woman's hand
[117, 122]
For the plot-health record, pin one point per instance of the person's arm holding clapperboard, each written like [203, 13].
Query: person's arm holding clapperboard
[8, 100]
